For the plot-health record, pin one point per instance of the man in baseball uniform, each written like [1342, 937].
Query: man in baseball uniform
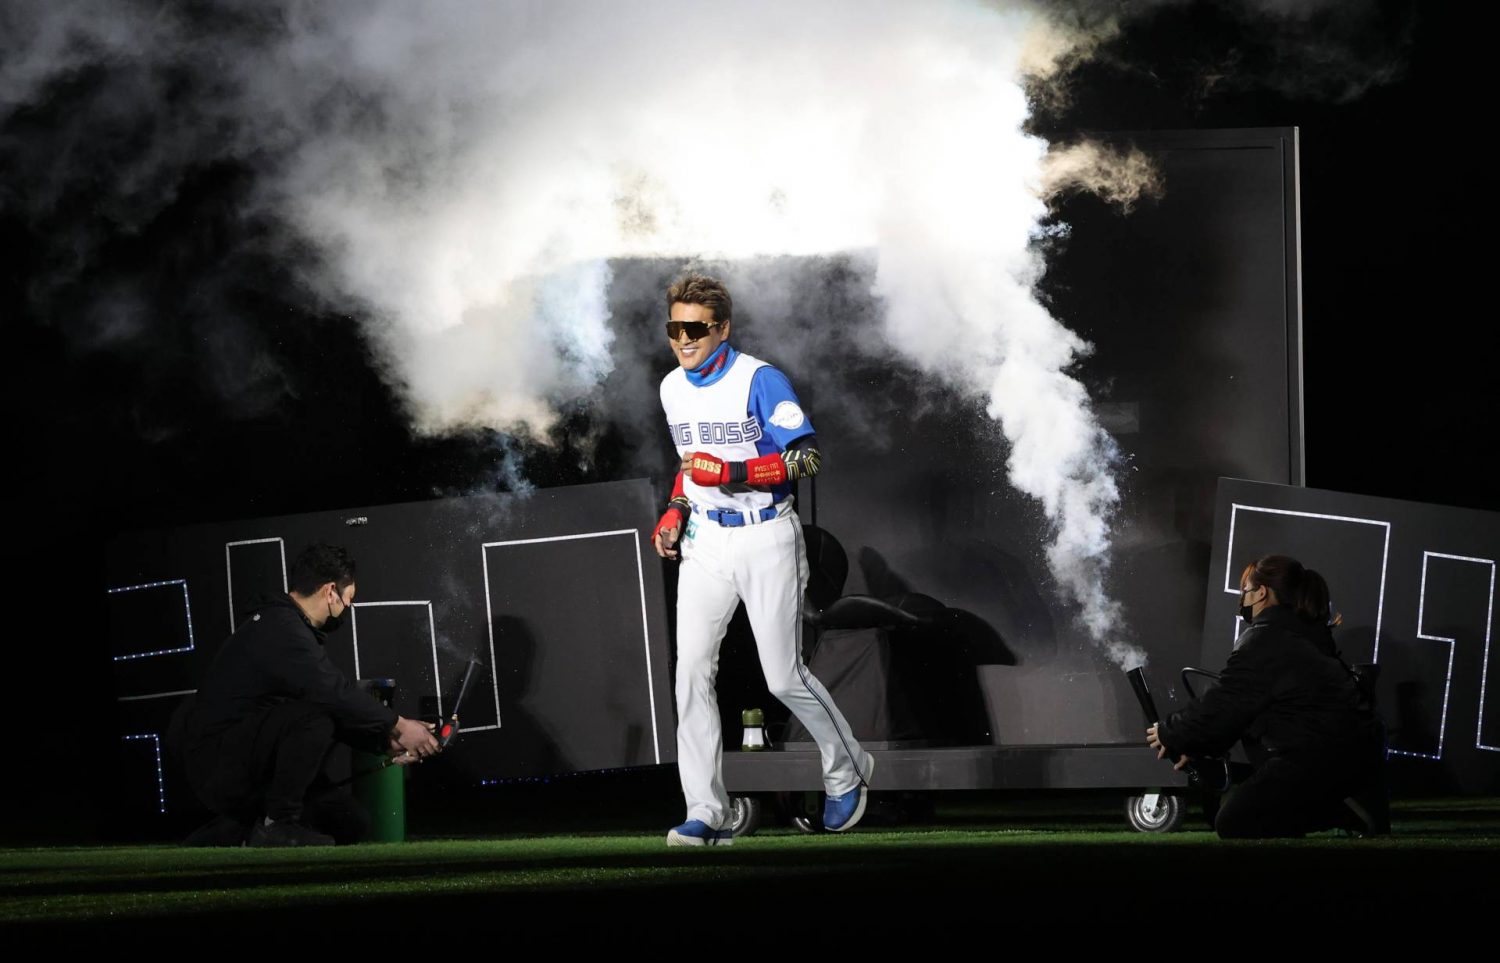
[743, 439]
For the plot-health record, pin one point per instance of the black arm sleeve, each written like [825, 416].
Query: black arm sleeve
[1210, 726]
[303, 668]
[803, 460]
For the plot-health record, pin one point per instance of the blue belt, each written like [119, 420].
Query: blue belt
[730, 518]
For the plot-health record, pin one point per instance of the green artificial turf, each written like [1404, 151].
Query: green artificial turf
[973, 853]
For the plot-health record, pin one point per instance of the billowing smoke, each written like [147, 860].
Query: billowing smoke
[1120, 177]
[466, 171]
[469, 171]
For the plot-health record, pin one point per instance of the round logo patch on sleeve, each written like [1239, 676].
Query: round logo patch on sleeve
[787, 415]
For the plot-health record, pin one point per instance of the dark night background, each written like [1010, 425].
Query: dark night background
[108, 434]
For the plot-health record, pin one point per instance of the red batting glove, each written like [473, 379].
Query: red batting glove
[672, 518]
[766, 470]
[708, 471]
[668, 532]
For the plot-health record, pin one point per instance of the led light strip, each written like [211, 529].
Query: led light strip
[161, 783]
[186, 608]
[1452, 648]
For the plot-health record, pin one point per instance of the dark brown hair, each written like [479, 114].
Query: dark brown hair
[318, 565]
[704, 290]
[1294, 584]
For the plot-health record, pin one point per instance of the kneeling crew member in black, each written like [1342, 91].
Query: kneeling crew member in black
[1314, 739]
[258, 734]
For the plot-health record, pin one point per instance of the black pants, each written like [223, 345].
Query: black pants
[1294, 797]
[276, 764]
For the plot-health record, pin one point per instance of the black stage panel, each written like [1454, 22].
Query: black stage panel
[1415, 584]
[556, 591]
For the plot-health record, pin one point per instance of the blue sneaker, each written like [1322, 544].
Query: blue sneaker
[842, 812]
[695, 832]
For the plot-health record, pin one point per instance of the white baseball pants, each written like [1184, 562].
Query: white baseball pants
[765, 566]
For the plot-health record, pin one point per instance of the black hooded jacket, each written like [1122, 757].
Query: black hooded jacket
[1284, 692]
[277, 656]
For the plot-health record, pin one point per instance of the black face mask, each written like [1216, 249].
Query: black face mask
[334, 622]
[1247, 612]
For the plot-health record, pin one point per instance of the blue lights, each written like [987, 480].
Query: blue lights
[187, 611]
[560, 777]
[161, 783]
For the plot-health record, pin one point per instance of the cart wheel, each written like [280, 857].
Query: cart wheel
[745, 815]
[806, 810]
[1155, 812]
[807, 825]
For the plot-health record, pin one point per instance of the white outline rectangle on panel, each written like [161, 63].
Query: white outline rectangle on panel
[1452, 651]
[437, 680]
[187, 610]
[489, 617]
[161, 781]
[229, 568]
[1384, 559]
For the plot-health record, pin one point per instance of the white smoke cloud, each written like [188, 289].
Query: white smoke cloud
[491, 159]
[466, 171]
[1121, 177]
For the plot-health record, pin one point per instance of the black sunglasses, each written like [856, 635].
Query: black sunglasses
[694, 329]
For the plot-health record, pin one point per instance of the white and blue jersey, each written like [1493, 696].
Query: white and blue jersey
[737, 408]
[734, 407]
